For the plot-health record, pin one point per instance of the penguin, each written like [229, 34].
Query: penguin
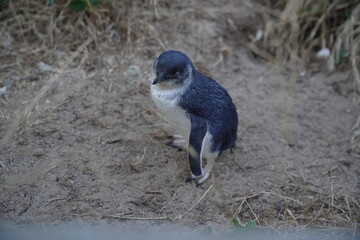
[198, 108]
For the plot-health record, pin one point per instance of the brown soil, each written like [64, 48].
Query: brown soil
[91, 150]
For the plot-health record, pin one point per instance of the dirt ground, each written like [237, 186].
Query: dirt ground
[92, 149]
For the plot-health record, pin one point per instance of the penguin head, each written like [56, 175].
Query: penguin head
[172, 67]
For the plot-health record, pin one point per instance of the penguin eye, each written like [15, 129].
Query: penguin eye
[177, 72]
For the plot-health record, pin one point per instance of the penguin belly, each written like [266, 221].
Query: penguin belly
[166, 103]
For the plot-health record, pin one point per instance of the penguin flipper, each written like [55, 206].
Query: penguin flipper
[197, 134]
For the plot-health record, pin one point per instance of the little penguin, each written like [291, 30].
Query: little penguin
[197, 107]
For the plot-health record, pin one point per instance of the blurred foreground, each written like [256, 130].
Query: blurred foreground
[97, 233]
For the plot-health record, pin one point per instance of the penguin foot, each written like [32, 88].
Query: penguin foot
[176, 141]
[198, 179]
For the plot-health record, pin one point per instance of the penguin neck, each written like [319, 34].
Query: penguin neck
[169, 93]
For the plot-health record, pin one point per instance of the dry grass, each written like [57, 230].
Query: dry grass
[32, 31]
[303, 27]
[294, 31]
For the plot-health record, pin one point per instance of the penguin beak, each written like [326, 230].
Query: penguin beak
[158, 79]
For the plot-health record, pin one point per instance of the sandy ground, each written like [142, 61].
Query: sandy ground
[91, 151]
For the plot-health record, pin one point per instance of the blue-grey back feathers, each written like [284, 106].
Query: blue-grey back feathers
[204, 98]
[209, 100]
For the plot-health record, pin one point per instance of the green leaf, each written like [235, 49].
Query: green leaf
[249, 225]
[95, 3]
[341, 56]
[206, 231]
[346, 13]
[236, 224]
[77, 5]
[238, 227]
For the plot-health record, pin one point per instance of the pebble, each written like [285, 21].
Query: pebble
[44, 66]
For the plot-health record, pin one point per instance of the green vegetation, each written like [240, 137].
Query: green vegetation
[81, 5]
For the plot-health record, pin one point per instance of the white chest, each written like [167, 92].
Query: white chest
[166, 102]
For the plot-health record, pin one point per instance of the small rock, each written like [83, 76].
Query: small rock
[7, 41]
[59, 54]
[108, 61]
[3, 91]
[259, 35]
[44, 67]
[323, 53]
[131, 137]
[148, 117]
[133, 70]
[159, 134]
[303, 73]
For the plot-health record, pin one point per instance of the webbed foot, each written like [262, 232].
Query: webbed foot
[198, 179]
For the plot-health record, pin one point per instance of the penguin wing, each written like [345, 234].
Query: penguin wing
[197, 133]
